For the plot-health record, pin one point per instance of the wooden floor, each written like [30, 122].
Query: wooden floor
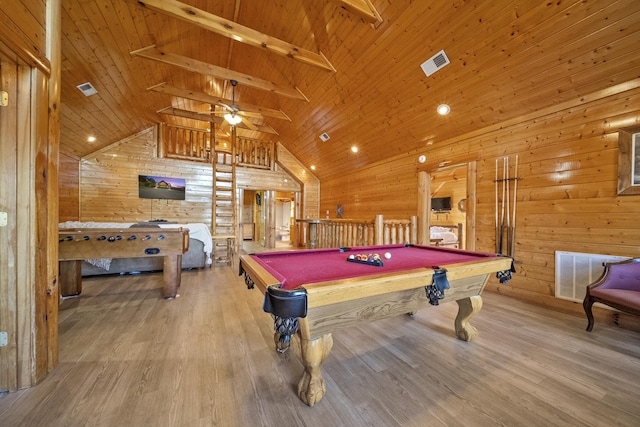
[130, 358]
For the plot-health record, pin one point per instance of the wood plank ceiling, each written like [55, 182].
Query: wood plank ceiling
[352, 69]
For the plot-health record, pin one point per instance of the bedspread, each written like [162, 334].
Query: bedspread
[444, 233]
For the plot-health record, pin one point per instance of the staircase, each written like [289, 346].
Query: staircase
[224, 206]
[184, 143]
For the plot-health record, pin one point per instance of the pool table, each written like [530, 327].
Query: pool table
[312, 293]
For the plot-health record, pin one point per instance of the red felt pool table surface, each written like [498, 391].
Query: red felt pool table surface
[296, 268]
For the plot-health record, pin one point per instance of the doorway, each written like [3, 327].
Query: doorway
[267, 219]
[448, 206]
[284, 219]
[458, 183]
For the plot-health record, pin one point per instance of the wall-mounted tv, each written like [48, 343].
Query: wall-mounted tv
[441, 203]
[161, 187]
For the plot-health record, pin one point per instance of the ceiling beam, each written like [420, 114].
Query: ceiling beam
[205, 117]
[363, 8]
[236, 31]
[157, 54]
[214, 100]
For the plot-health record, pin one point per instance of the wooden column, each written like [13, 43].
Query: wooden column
[424, 196]
[54, 52]
[379, 227]
[469, 241]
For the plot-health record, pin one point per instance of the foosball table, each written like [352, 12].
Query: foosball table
[78, 244]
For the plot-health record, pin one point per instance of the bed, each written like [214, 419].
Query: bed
[446, 235]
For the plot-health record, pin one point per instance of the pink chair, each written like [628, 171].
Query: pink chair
[618, 287]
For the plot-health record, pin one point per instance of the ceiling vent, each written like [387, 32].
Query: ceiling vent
[325, 137]
[87, 88]
[434, 63]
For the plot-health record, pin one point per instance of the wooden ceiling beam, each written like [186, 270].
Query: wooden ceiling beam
[208, 99]
[154, 53]
[363, 8]
[204, 117]
[236, 32]
[193, 115]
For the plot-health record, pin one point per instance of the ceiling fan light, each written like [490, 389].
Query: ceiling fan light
[232, 118]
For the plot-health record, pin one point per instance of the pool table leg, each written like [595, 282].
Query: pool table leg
[467, 308]
[311, 387]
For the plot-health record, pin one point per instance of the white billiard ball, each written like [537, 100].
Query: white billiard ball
[387, 255]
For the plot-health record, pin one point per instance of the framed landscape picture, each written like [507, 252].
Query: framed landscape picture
[161, 187]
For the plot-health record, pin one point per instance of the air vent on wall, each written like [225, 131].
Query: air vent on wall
[87, 88]
[434, 63]
[325, 137]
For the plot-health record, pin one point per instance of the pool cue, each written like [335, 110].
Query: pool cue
[497, 224]
[508, 206]
[502, 202]
[515, 192]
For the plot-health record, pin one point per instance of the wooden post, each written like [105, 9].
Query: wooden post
[469, 240]
[379, 230]
[414, 230]
[54, 53]
[424, 190]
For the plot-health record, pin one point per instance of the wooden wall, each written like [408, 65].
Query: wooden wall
[109, 184]
[566, 198]
[29, 141]
[310, 185]
[69, 188]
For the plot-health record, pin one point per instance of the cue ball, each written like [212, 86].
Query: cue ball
[387, 255]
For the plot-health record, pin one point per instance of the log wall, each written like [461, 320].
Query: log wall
[109, 184]
[69, 192]
[29, 141]
[567, 198]
[310, 203]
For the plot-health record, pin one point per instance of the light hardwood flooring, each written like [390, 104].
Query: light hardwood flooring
[130, 358]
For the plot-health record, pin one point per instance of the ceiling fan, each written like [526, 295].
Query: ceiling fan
[232, 113]
[232, 117]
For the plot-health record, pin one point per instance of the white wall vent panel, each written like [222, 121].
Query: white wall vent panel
[325, 137]
[434, 63]
[575, 270]
[87, 88]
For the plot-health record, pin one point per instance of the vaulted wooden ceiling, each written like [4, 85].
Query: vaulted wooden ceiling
[350, 68]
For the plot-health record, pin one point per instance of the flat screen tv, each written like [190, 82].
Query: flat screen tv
[441, 203]
[161, 187]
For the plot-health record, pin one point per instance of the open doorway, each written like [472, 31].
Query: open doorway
[267, 219]
[284, 219]
[457, 212]
[448, 216]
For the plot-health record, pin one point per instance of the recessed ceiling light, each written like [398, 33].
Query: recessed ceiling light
[354, 149]
[443, 109]
[91, 139]
[313, 167]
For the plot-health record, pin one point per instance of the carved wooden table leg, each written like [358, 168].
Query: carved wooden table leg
[311, 387]
[467, 308]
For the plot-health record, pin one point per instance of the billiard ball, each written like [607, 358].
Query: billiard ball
[387, 255]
